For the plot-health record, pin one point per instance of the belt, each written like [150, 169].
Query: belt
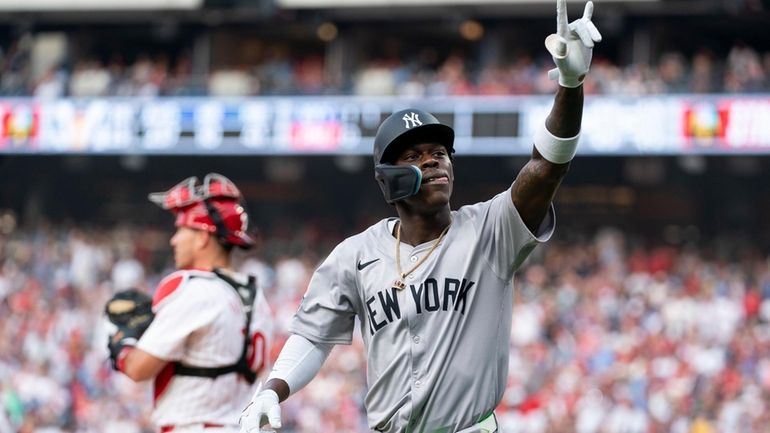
[486, 425]
[168, 428]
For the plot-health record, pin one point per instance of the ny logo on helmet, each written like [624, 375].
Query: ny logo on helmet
[412, 118]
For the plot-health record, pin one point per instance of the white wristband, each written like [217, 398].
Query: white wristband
[555, 149]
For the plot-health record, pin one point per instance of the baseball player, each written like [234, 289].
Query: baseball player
[432, 288]
[191, 336]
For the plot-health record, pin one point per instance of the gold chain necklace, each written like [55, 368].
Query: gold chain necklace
[399, 283]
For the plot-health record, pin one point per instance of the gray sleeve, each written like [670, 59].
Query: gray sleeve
[504, 239]
[327, 312]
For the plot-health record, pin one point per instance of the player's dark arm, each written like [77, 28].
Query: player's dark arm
[280, 387]
[571, 48]
[537, 182]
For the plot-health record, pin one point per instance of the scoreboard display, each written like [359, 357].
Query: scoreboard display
[347, 125]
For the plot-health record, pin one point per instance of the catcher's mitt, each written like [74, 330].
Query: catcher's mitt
[131, 313]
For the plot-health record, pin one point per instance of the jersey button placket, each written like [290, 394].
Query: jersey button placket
[416, 347]
[418, 352]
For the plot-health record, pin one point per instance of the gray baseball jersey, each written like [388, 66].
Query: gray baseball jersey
[437, 351]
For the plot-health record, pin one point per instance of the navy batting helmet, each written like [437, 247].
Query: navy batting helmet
[399, 130]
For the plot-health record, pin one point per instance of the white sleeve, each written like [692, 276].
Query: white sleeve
[300, 360]
[181, 314]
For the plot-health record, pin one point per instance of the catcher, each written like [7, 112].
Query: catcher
[190, 337]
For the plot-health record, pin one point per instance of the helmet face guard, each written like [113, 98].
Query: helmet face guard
[214, 206]
[400, 130]
[398, 181]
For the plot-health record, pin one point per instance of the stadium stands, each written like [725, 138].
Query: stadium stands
[743, 69]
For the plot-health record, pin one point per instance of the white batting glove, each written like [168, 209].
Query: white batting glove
[263, 409]
[572, 45]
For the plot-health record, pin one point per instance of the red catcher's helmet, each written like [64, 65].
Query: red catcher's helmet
[214, 206]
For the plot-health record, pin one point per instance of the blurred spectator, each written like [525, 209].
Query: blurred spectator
[181, 81]
[375, 79]
[275, 73]
[52, 85]
[230, 82]
[703, 77]
[451, 79]
[310, 77]
[672, 73]
[492, 80]
[89, 79]
[744, 70]
[522, 75]
[15, 67]
[146, 77]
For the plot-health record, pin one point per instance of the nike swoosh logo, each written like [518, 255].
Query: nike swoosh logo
[361, 266]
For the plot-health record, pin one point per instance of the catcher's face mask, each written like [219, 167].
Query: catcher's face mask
[214, 206]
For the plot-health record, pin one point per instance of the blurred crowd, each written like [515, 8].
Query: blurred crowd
[608, 335]
[743, 69]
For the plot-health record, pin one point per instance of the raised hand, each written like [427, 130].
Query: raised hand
[572, 45]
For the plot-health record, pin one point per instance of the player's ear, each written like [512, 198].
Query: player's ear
[202, 239]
